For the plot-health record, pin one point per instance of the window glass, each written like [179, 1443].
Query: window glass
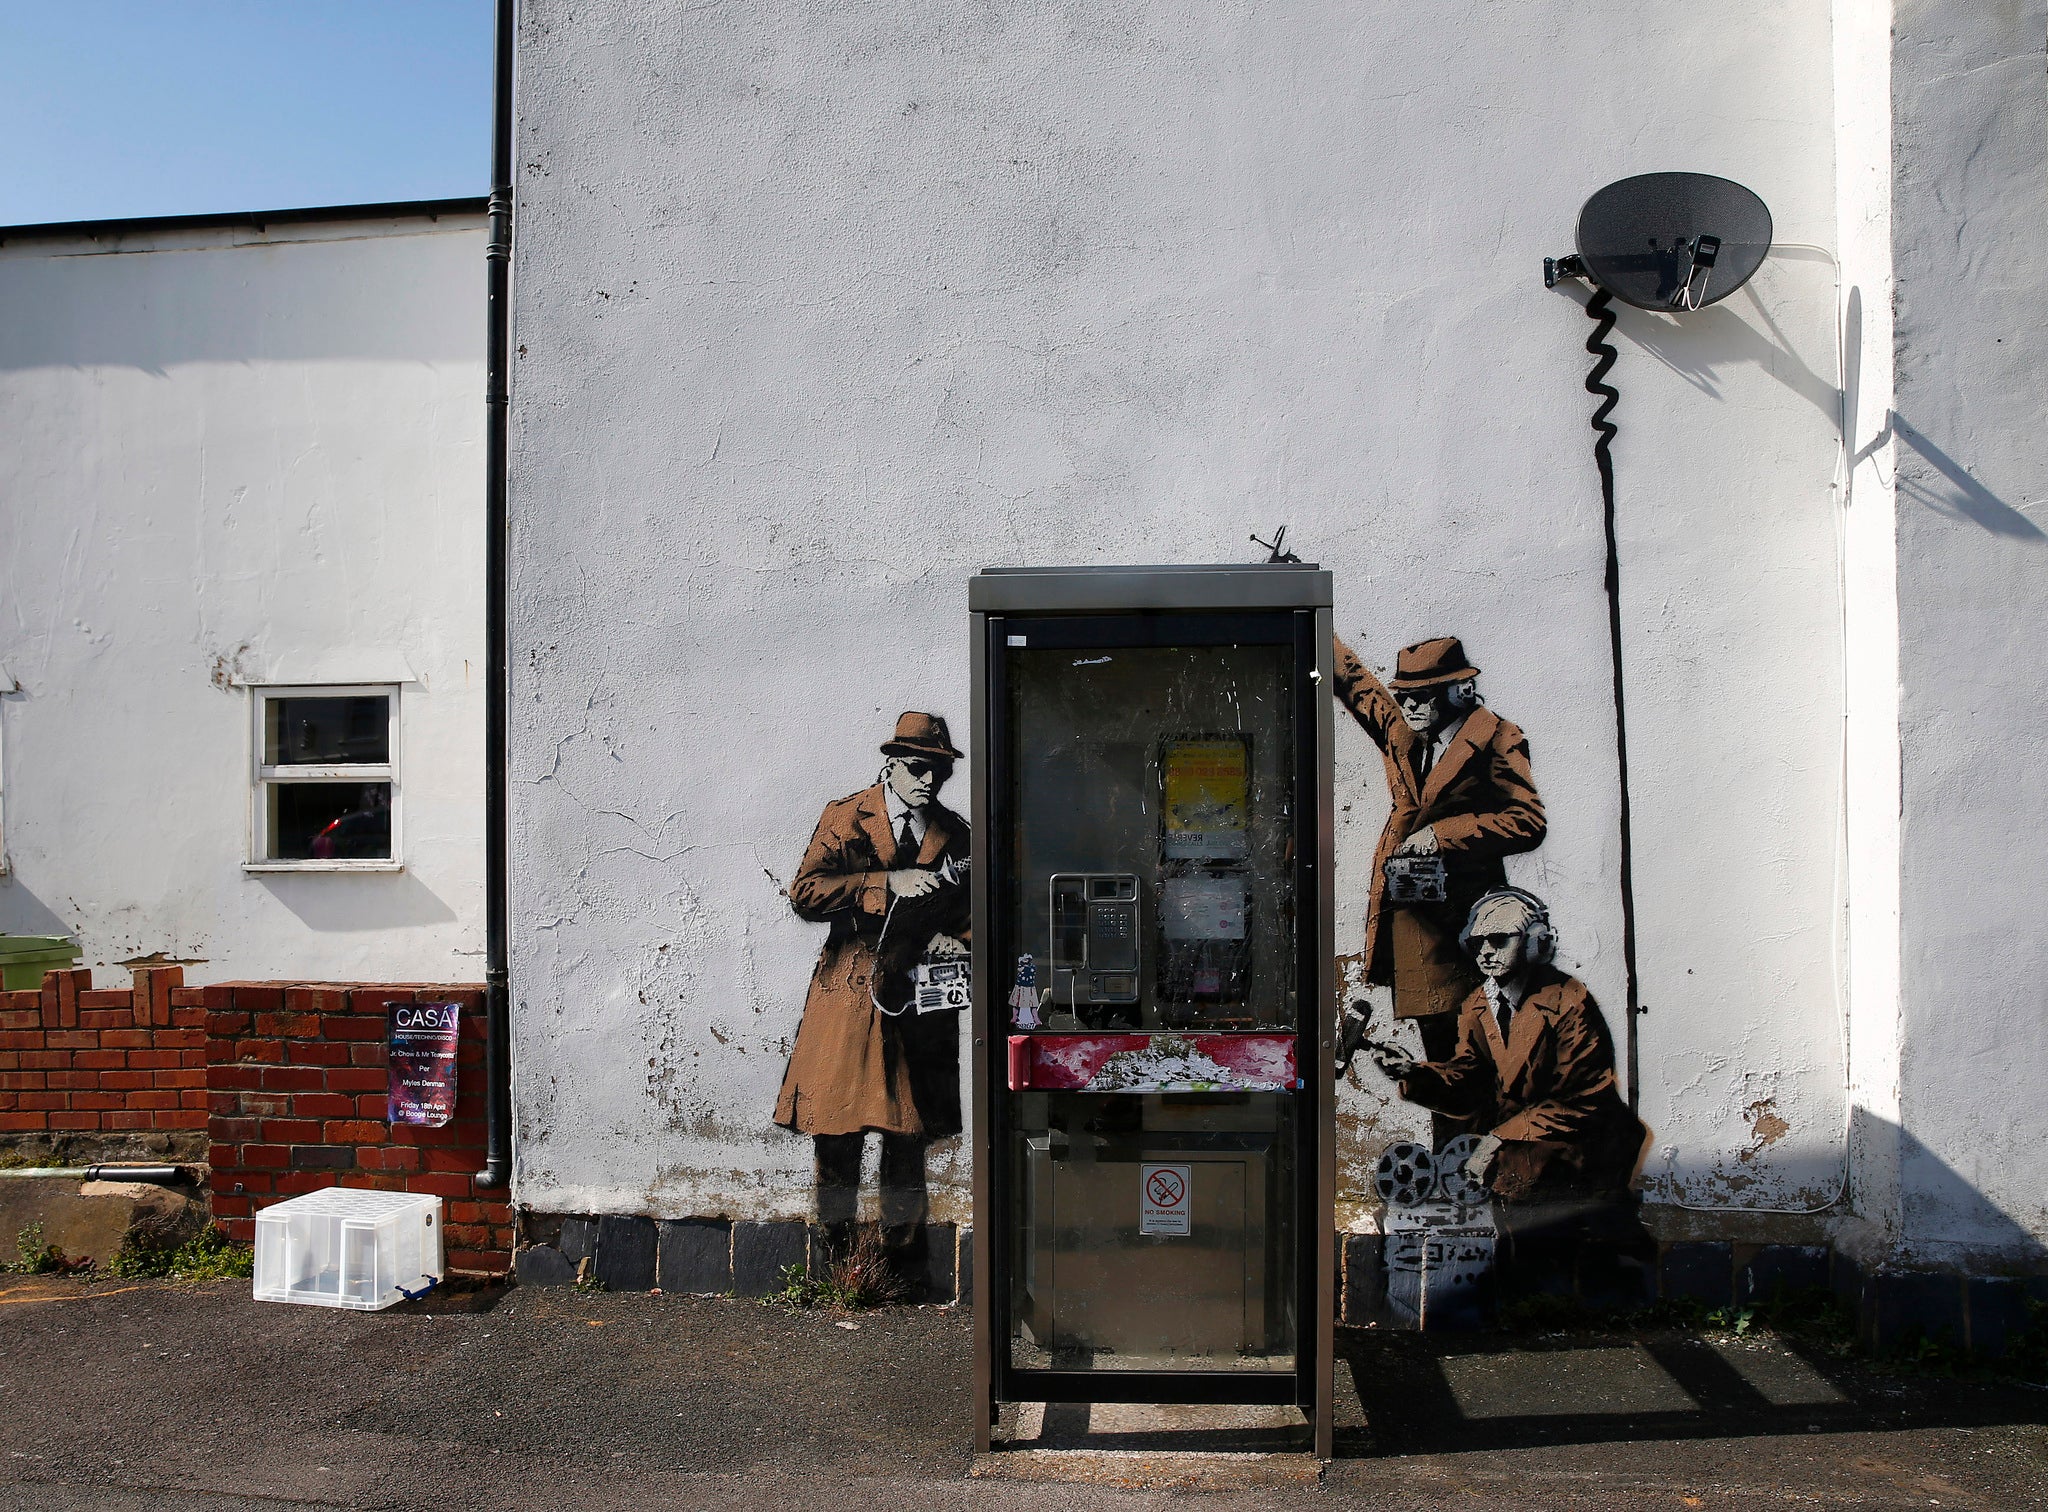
[329, 821]
[327, 731]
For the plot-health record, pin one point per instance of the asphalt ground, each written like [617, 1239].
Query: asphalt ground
[170, 1397]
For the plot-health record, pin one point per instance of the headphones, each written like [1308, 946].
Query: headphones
[1538, 933]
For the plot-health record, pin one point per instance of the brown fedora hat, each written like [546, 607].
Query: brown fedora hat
[1428, 663]
[921, 735]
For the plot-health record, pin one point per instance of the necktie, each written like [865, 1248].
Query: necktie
[1505, 1013]
[906, 843]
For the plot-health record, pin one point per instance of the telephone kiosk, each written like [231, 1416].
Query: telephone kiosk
[1152, 987]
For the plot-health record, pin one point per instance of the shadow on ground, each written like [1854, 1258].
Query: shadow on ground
[1451, 1394]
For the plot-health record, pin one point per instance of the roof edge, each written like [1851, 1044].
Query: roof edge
[259, 219]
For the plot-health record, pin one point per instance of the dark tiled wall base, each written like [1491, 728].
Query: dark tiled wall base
[712, 1256]
[1980, 1314]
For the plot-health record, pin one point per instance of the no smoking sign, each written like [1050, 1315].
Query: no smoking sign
[1163, 1192]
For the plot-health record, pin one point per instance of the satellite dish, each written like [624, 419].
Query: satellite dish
[1668, 241]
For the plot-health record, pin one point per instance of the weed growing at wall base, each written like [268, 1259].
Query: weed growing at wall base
[209, 1255]
[35, 1258]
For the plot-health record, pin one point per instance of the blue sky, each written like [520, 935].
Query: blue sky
[178, 107]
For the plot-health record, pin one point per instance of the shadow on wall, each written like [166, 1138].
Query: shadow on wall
[23, 913]
[1945, 1220]
[1951, 490]
[377, 297]
[1702, 346]
[339, 902]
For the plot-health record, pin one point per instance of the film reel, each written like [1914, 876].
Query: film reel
[1454, 1182]
[1406, 1174]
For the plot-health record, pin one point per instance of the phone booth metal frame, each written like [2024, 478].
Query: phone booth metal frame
[1279, 603]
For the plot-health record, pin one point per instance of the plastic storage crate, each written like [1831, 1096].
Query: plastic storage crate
[345, 1247]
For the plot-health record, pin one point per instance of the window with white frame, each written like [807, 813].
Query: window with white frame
[326, 779]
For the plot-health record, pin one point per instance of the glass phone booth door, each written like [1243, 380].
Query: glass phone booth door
[1153, 1003]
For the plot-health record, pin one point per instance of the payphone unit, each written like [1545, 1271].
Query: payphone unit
[1153, 991]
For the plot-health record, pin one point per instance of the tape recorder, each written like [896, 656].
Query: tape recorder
[1417, 879]
[941, 985]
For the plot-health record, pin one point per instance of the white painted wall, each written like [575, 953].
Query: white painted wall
[235, 455]
[1970, 190]
[821, 309]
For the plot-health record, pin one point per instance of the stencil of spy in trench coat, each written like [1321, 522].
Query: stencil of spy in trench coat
[885, 872]
[1462, 793]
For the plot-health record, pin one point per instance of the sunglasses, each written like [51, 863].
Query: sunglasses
[1497, 941]
[917, 768]
[1416, 695]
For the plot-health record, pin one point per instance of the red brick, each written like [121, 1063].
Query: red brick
[222, 1025]
[217, 998]
[377, 1106]
[357, 1131]
[21, 1039]
[372, 1000]
[9, 1061]
[152, 1099]
[152, 1060]
[291, 1130]
[486, 1262]
[98, 1060]
[45, 1102]
[315, 1000]
[65, 985]
[187, 997]
[256, 1052]
[46, 1060]
[278, 1157]
[388, 1158]
[186, 1040]
[179, 1118]
[20, 1123]
[288, 1025]
[465, 1161]
[296, 1183]
[316, 1053]
[115, 1081]
[101, 1018]
[73, 1039]
[195, 1059]
[359, 1079]
[355, 1028]
[323, 1105]
[467, 1235]
[75, 1081]
[293, 1079]
[251, 998]
[195, 1100]
[227, 1131]
[74, 1120]
[21, 1081]
[181, 1079]
[99, 1102]
[192, 1018]
[230, 1207]
[126, 1120]
[441, 1183]
[234, 1078]
[374, 1053]
[125, 1039]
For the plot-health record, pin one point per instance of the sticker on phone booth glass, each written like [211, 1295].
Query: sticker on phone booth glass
[1163, 1193]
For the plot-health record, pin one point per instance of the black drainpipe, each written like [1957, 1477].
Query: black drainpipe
[497, 1171]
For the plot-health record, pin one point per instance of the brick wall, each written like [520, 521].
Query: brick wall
[285, 1083]
[296, 1079]
[80, 1060]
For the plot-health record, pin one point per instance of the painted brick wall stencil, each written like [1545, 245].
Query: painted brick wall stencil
[296, 1081]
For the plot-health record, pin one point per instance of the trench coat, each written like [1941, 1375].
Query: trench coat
[1548, 1092]
[854, 1068]
[1482, 800]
